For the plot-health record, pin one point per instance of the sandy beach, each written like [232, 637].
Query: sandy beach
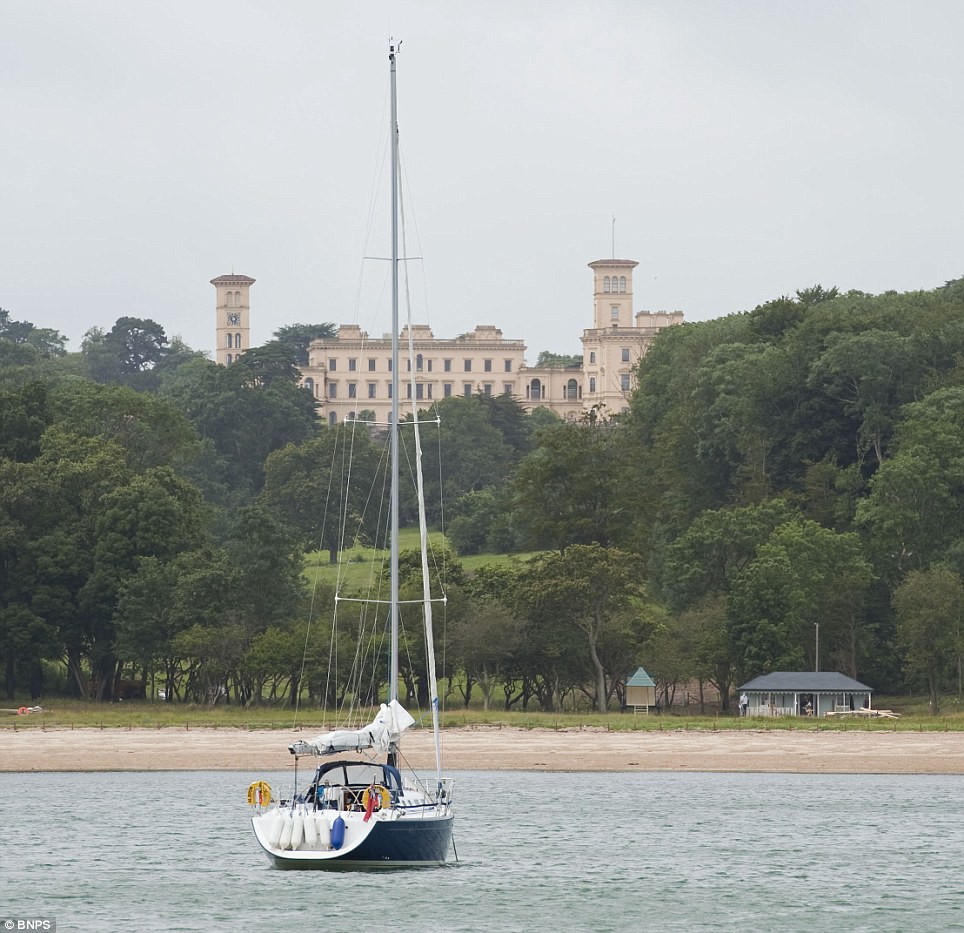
[494, 748]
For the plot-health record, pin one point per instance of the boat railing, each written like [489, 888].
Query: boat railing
[770, 711]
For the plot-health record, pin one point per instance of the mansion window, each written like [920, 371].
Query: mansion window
[352, 364]
[229, 359]
[592, 356]
[624, 382]
[592, 384]
[467, 389]
[468, 366]
[332, 365]
[506, 388]
[487, 388]
[447, 390]
[371, 365]
[508, 366]
[622, 284]
[571, 390]
[332, 390]
[487, 365]
[352, 389]
[372, 389]
[624, 354]
[614, 312]
[446, 366]
[237, 341]
[419, 362]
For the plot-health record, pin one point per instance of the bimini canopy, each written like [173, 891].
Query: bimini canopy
[384, 730]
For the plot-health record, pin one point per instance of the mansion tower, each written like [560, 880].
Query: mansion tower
[351, 374]
[232, 320]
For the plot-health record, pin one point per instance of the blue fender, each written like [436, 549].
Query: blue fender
[338, 833]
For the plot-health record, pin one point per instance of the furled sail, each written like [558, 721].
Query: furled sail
[384, 730]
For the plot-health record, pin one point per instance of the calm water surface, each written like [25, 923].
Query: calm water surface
[538, 851]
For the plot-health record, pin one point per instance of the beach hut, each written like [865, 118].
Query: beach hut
[640, 691]
[805, 693]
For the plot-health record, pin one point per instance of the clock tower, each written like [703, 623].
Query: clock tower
[232, 322]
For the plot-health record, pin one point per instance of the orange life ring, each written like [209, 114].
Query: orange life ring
[379, 793]
[22, 711]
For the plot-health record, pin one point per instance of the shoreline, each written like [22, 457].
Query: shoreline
[497, 749]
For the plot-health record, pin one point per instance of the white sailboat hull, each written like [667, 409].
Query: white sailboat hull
[387, 840]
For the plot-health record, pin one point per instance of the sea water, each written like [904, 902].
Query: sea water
[567, 851]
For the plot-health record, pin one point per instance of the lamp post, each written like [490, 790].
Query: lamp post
[816, 667]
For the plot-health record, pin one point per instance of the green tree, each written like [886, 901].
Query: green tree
[708, 558]
[322, 488]
[803, 574]
[913, 512]
[275, 361]
[46, 341]
[298, 337]
[568, 491]
[481, 521]
[869, 374]
[472, 449]
[548, 360]
[595, 591]
[485, 639]
[25, 413]
[155, 514]
[244, 417]
[930, 612]
[127, 353]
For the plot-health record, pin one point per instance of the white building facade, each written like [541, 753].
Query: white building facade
[350, 374]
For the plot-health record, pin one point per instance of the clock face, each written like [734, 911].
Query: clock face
[234, 319]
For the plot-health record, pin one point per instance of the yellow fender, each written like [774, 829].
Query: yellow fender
[384, 797]
[259, 794]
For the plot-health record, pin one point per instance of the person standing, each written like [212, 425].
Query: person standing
[744, 703]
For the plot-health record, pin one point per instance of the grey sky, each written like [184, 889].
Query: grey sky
[746, 149]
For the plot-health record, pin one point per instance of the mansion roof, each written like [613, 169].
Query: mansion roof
[233, 280]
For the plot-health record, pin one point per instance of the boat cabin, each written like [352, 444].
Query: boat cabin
[341, 785]
[804, 693]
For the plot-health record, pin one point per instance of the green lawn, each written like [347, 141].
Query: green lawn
[66, 713]
[360, 564]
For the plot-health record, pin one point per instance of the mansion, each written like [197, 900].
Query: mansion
[351, 373]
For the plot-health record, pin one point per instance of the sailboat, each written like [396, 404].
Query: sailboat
[360, 811]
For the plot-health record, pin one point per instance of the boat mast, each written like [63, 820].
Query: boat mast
[393, 530]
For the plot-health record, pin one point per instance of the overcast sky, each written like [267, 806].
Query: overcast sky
[746, 149]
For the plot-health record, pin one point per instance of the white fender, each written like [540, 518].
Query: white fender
[324, 831]
[286, 827]
[297, 830]
[273, 825]
[311, 831]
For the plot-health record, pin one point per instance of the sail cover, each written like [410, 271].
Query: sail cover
[385, 729]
